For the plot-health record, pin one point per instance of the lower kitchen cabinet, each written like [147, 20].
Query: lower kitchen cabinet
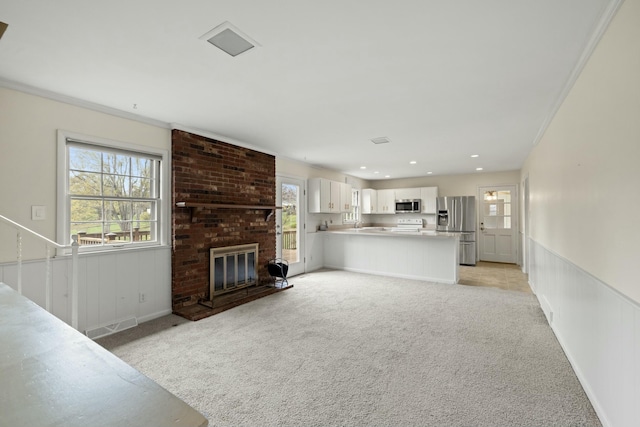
[434, 259]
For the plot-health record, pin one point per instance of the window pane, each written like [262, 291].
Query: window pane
[117, 232]
[84, 159]
[141, 187]
[86, 210]
[142, 210]
[505, 196]
[489, 196]
[115, 210]
[84, 183]
[88, 233]
[144, 231]
[141, 167]
[116, 185]
[113, 163]
[507, 208]
[506, 223]
[490, 209]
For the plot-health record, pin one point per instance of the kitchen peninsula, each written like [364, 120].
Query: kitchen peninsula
[421, 255]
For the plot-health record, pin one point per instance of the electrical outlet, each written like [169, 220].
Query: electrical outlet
[143, 297]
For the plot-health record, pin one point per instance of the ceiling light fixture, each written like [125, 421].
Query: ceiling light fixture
[475, 155]
[376, 172]
[429, 173]
[229, 39]
[381, 140]
[478, 169]
[387, 176]
[363, 167]
[412, 162]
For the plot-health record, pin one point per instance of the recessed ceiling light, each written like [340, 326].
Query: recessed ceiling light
[429, 173]
[387, 176]
[376, 172]
[229, 39]
[381, 140]
[475, 155]
[412, 162]
[363, 167]
[478, 169]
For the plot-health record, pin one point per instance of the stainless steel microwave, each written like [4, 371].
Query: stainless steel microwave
[408, 206]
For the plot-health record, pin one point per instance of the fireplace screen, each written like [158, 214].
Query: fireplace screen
[233, 267]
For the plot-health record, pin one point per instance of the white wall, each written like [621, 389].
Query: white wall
[28, 126]
[110, 283]
[584, 198]
[453, 185]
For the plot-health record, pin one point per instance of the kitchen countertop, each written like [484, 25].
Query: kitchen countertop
[388, 231]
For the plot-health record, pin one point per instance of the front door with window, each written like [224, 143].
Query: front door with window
[290, 231]
[497, 237]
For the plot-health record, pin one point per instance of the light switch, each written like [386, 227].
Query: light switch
[37, 213]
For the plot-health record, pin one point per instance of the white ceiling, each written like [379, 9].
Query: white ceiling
[442, 79]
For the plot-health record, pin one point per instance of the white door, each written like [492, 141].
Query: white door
[290, 228]
[497, 238]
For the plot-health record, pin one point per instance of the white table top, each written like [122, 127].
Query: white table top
[52, 375]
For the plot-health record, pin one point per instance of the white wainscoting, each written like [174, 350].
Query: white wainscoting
[110, 285]
[599, 330]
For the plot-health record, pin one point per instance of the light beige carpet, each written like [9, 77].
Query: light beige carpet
[347, 349]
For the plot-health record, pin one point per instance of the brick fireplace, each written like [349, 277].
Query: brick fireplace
[213, 172]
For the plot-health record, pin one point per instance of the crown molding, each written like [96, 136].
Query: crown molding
[77, 102]
[599, 29]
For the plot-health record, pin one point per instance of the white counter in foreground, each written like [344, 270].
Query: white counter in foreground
[426, 255]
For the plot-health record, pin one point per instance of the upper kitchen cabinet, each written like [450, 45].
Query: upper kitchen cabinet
[428, 196]
[407, 193]
[386, 202]
[369, 201]
[327, 196]
[345, 197]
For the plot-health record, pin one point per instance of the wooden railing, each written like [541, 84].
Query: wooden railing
[49, 246]
[85, 238]
[289, 239]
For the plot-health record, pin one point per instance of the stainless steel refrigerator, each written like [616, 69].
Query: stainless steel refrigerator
[458, 215]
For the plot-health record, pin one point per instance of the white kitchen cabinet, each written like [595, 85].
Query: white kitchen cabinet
[386, 202]
[326, 196]
[428, 196]
[345, 197]
[407, 193]
[369, 201]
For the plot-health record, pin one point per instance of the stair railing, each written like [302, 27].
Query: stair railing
[49, 245]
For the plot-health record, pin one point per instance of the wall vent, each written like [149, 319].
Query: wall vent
[381, 140]
[103, 331]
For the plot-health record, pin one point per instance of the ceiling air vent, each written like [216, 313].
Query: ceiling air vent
[381, 140]
[230, 39]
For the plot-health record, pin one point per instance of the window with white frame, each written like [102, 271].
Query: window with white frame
[111, 193]
[353, 216]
